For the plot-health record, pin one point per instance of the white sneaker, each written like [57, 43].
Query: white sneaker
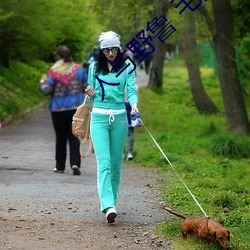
[130, 156]
[111, 214]
[76, 170]
[58, 171]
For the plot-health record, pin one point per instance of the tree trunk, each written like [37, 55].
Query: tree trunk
[201, 99]
[156, 71]
[235, 109]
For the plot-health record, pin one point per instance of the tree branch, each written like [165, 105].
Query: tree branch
[205, 14]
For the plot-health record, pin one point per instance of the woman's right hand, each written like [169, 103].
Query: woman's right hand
[90, 91]
[134, 109]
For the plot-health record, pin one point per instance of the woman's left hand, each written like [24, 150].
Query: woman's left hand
[134, 109]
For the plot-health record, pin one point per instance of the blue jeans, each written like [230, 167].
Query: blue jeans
[108, 139]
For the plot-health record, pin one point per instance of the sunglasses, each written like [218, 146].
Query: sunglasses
[107, 51]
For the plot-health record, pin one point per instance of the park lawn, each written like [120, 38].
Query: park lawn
[19, 88]
[190, 141]
[220, 182]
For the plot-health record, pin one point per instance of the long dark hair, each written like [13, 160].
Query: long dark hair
[101, 62]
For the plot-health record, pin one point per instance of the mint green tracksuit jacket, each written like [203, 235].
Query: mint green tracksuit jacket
[109, 131]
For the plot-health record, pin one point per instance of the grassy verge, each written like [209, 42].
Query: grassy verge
[19, 89]
[214, 164]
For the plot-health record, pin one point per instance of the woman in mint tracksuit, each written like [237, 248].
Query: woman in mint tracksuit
[109, 123]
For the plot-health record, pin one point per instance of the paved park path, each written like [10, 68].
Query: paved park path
[40, 209]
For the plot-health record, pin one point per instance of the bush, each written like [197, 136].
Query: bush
[231, 146]
[223, 200]
[19, 88]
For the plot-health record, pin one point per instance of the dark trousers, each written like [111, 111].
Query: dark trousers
[147, 66]
[62, 122]
[130, 129]
[130, 139]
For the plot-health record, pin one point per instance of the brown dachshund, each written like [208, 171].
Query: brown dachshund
[204, 229]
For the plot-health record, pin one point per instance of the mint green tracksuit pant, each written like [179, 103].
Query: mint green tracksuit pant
[108, 135]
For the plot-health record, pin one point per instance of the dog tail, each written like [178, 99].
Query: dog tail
[175, 213]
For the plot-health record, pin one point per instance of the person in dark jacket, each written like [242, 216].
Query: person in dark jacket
[148, 59]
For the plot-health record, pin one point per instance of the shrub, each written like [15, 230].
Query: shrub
[223, 200]
[231, 146]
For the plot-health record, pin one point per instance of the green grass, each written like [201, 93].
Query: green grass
[19, 88]
[214, 164]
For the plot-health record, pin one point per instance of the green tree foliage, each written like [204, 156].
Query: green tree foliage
[32, 30]
[241, 17]
[127, 18]
[242, 32]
